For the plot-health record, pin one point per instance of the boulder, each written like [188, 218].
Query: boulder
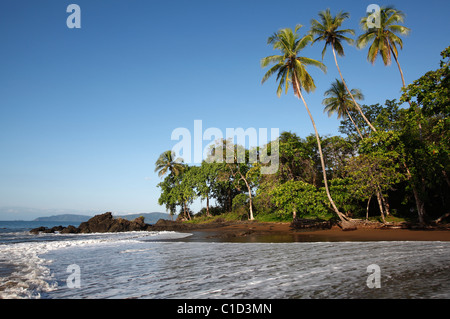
[347, 226]
[70, 230]
[38, 230]
[104, 223]
[97, 224]
[138, 224]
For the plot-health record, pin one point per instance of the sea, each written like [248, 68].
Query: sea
[156, 265]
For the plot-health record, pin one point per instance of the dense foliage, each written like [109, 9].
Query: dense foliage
[390, 160]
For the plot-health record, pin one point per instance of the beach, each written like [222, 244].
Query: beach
[236, 260]
[283, 232]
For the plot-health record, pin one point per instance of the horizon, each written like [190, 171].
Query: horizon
[86, 112]
[11, 213]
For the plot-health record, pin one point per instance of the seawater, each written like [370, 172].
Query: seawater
[169, 265]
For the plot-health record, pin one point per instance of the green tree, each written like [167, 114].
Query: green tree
[168, 161]
[205, 179]
[291, 70]
[169, 196]
[299, 199]
[385, 39]
[374, 174]
[339, 101]
[328, 30]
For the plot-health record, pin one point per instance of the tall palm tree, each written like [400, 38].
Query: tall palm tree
[340, 102]
[291, 69]
[168, 161]
[384, 39]
[327, 30]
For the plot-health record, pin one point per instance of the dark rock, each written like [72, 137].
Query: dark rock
[99, 224]
[70, 230]
[138, 224]
[38, 230]
[347, 226]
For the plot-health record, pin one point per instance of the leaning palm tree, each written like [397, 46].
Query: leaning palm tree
[384, 39]
[339, 101]
[291, 70]
[168, 161]
[327, 30]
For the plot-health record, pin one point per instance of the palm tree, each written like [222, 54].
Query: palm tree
[339, 101]
[168, 161]
[384, 39]
[291, 69]
[327, 30]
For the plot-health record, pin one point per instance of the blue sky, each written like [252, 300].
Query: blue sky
[84, 113]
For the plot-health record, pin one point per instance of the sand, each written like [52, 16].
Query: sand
[282, 232]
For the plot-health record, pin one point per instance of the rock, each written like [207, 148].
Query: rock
[70, 230]
[99, 224]
[138, 224]
[38, 230]
[347, 226]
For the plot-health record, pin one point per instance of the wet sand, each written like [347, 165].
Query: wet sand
[282, 232]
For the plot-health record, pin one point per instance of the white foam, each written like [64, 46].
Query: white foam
[32, 276]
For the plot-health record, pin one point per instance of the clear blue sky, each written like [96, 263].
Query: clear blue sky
[84, 113]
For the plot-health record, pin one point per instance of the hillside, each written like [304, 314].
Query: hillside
[63, 218]
[150, 218]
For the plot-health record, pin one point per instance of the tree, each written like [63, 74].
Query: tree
[296, 159]
[204, 179]
[168, 161]
[385, 39]
[327, 30]
[373, 174]
[168, 196]
[245, 172]
[428, 148]
[291, 69]
[299, 199]
[339, 101]
[432, 91]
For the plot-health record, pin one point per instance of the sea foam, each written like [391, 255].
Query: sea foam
[29, 275]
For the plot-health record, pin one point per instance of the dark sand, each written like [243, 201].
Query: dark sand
[282, 232]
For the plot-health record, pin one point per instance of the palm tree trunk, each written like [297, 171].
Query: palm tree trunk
[342, 217]
[351, 95]
[398, 64]
[356, 126]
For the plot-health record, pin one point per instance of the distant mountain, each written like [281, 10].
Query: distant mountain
[64, 218]
[29, 213]
[149, 218]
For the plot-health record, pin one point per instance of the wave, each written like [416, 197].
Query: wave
[25, 274]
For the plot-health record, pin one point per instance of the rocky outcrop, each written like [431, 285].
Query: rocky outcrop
[308, 224]
[104, 223]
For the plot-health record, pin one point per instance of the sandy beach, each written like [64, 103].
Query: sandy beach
[282, 232]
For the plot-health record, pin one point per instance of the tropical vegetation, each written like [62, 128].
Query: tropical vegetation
[389, 161]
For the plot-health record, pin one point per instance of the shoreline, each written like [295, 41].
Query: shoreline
[258, 232]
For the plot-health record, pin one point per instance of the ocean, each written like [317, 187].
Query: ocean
[151, 265]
